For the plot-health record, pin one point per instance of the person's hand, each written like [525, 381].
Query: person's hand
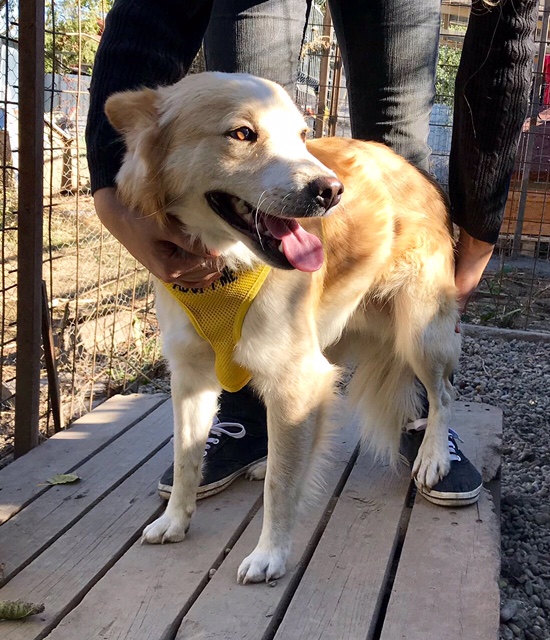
[472, 256]
[165, 250]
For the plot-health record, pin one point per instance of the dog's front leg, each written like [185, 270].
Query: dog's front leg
[433, 461]
[297, 423]
[194, 410]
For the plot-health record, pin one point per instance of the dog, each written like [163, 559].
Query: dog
[356, 251]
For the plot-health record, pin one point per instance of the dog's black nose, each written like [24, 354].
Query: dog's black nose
[326, 191]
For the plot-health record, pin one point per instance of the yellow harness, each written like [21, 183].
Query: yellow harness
[218, 313]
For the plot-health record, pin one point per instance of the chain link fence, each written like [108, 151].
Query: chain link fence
[98, 299]
[102, 329]
[103, 320]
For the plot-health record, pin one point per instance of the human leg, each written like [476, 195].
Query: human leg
[262, 38]
[389, 49]
[257, 37]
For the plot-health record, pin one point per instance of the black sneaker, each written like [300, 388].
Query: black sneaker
[460, 487]
[232, 450]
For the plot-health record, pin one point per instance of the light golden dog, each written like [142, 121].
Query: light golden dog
[362, 275]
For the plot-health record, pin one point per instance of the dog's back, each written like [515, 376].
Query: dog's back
[388, 294]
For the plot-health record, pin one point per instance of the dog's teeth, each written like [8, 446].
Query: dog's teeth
[280, 247]
[247, 217]
[241, 207]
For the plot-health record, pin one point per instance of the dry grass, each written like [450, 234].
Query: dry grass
[103, 320]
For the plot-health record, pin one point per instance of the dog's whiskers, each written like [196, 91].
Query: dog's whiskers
[164, 207]
[256, 220]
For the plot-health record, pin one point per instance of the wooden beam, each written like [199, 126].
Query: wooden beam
[29, 274]
[323, 77]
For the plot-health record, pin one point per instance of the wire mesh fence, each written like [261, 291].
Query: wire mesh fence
[99, 299]
[103, 326]
[103, 321]
[8, 229]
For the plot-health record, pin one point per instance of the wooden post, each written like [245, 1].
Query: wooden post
[29, 273]
[323, 78]
[335, 99]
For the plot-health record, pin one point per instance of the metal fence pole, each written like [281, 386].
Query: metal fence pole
[29, 273]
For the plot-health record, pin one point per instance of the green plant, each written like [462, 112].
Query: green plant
[447, 66]
[73, 32]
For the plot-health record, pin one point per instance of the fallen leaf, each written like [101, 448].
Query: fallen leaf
[17, 609]
[64, 478]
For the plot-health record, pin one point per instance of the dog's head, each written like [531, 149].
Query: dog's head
[226, 155]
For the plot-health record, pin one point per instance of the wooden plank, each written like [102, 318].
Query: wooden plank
[54, 393]
[446, 586]
[66, 571]
[144, 594]
[536, 215]
[23, 480]
[39, 524]
[480, 426]
[165, 580]
[342, 589]
[231, 611]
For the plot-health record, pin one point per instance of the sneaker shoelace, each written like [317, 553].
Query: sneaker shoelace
[453, 447]
[452, 437]
[231, 429]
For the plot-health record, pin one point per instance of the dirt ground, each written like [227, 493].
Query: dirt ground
[513, 294]
[103, 320]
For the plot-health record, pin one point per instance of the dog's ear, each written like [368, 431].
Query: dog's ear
[131, 111]
[135, 115]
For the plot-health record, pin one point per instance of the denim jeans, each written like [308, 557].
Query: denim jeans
[389, 49]
[257, 37]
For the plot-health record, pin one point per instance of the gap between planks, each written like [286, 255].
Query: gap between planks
[28, 533]
[23, 480]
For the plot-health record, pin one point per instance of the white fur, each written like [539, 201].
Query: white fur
[384, 299]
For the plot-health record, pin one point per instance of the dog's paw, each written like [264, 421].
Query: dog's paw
[257, 472]
[262, 566]
[165, 529]
[431, 465]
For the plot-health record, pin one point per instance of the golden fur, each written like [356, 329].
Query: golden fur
[384, 297]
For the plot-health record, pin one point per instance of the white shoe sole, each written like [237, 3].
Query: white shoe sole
[448, 499]
[205, 491]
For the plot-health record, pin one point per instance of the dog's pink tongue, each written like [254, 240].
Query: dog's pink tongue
[303, 250]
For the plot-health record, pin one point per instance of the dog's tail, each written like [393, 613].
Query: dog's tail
[386, 395]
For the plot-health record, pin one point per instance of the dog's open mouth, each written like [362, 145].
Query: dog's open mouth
[283, 241]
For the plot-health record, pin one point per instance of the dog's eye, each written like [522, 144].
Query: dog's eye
[303, 135]
[243, 134]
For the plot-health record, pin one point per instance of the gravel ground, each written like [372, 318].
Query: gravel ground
[515, 376]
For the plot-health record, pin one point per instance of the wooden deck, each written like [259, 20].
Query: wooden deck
[370, 562]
